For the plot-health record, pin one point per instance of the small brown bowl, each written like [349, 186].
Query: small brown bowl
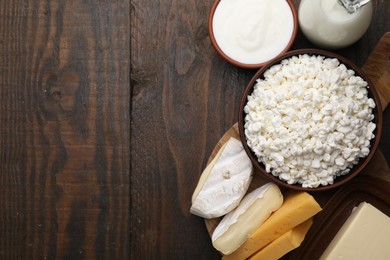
[245, 65]
[372, 93]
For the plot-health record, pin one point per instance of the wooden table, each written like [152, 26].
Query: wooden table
[109, 111]
[65, 99]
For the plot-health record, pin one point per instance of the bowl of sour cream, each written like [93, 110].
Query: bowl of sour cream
[249, 33]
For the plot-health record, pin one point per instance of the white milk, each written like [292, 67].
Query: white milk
[327, 24]
[253, 31]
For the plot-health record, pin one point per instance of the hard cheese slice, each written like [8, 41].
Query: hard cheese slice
[253, 210]
[297, 208]
[364, 235]
[284, 244]
[224, 182]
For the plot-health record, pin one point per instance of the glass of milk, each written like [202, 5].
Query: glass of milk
[328, 24]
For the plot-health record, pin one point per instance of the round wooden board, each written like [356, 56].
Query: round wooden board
[377, 167]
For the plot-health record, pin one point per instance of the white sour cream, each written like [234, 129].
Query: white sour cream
[253, 31]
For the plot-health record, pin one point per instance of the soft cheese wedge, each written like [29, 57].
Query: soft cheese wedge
[297, 208]
[364, 235]
[224, 182]
[284, 244]
[239, 224]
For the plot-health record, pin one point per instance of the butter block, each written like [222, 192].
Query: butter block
[297, 208]
[364, 235]
[254, 209]
[284, 244]
[224, 182]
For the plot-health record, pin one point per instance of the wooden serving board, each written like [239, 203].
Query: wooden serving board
[377, 68]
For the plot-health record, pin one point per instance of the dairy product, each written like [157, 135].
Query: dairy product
[283, 244]
[253, 210]
[224, 182]
[327, 23]
[252, 31]
[297, 208]
[309, 120]
[364, 235]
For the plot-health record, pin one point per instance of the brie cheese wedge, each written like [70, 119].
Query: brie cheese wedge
[253, 211]
[224, 182]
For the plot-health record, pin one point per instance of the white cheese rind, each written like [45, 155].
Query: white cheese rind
[224, 182]
[239, 224]
[364, 235]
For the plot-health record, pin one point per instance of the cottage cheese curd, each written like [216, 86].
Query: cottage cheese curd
[309, 120]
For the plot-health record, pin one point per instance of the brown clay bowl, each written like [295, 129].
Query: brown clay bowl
[245, 65]
[372, 93]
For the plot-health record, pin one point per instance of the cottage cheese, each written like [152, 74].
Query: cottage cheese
[309, 120]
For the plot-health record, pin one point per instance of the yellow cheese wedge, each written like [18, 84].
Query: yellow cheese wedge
[297, 208]
[364, 235]
[284, 244]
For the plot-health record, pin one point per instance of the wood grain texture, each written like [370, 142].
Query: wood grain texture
[171, 116]
[64, 129]
[184, 97]
[377, 68]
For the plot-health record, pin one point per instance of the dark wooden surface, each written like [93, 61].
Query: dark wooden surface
[64, 129]
[108, 113]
